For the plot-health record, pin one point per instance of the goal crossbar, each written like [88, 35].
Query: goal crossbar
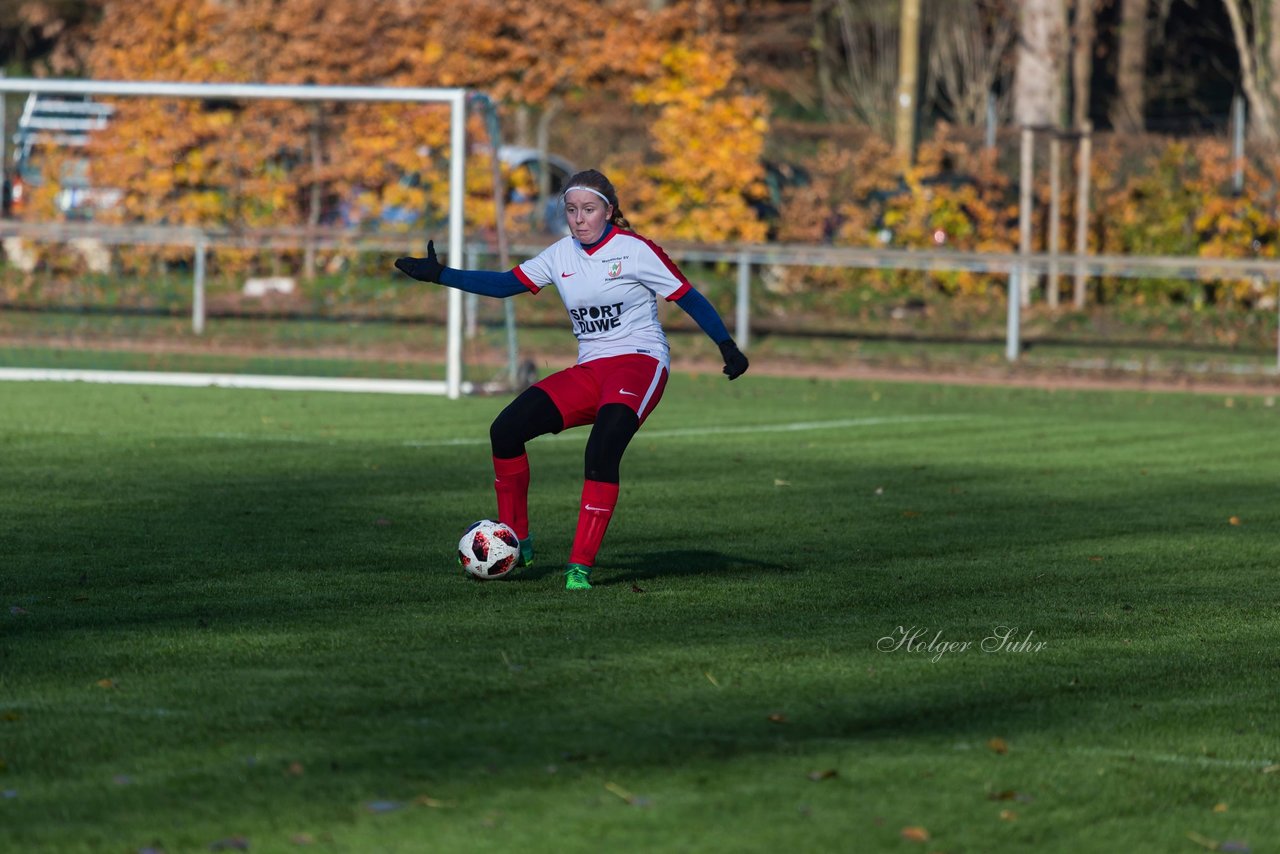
[455, 98]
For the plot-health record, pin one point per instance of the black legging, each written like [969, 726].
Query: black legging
[533, 414]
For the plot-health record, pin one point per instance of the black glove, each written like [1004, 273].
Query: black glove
[735, 363]
[423, 269]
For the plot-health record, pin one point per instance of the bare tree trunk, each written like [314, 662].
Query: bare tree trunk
[1038, 77]
[1257, 79]
[1086, 33]
[1129, 109]
[1272, 30]
[908, 83]
[821, 55]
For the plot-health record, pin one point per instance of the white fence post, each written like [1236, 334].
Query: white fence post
[197, 295]
[1012, 331]
[742, 311]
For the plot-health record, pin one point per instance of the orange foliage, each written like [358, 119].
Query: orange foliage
[259, 163]
[710, 142]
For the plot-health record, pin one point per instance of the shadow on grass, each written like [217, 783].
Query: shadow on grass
[682, 562]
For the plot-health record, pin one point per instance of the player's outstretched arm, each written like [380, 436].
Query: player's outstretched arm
[482, 282]
[706, 316]
[423, 269]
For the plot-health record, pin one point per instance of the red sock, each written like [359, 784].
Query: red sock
[511, 482]
[598, 501]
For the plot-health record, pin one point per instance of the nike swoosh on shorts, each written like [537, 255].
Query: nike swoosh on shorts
[599, 509]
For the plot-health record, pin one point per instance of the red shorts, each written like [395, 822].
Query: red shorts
[634, 380]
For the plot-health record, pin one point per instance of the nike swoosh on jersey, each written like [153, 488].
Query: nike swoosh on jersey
[599, 509]
[565, 275]
[631, 393]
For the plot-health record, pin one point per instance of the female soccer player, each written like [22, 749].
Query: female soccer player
[609, 279]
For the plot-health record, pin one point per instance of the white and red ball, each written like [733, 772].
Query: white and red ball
[489, 549]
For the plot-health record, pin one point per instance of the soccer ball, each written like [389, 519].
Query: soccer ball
[489, 549]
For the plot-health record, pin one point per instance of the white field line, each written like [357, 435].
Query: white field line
[255, 381]
[696, 432]
[1262, 765]
[578, 435]
[1173, 758]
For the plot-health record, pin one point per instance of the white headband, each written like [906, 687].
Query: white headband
[589, 190]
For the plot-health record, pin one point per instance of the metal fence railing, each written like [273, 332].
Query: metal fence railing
[1019, 269]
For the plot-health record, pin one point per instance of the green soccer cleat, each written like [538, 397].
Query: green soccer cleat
[526, 552]
[577, 577]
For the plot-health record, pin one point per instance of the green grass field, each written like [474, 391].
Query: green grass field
[232, 619]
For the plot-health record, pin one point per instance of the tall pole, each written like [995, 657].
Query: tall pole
[1025, 177]
[1084, 164]
[908, 83]
[1055, 215]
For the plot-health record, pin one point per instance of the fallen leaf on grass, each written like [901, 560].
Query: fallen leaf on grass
[636, 588]
[915, 834]
[711, 678]
[106, 684]
[911, 514]
[382, 522]
[302, 839]
[1095, 558]
[10, 717]
[434, 803]
[1235, 520]
[827, 774]
[295, 769]
[633, 800]
[1271, 769]
[779, 482]
[1220, 807]
[998, 745]
[778, 718]
[1008, 815]
[1010, 795]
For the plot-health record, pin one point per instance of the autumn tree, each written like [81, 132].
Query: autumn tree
[261, 163]
[710, 141]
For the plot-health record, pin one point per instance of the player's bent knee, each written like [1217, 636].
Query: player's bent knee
[531, 414]
[614, 427]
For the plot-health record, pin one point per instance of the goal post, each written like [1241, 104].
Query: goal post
[456, 98]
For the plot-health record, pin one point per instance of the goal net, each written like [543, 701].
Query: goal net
[261, 217]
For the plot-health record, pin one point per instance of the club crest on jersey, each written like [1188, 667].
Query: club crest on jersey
[615, 269]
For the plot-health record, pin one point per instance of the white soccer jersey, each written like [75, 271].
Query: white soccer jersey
[611, 291]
